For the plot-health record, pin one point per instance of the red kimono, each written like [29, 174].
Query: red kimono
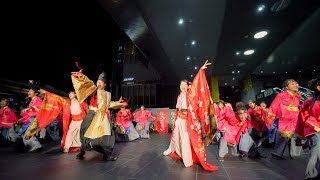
[26, 115]
[256, 119]
[124, 118]
[142, 117]
[233, 130]
[309, 119]
[285, 107]
[198, 103]
[222, 116]
[7, 117]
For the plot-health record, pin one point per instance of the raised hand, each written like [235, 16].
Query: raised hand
[205, 65]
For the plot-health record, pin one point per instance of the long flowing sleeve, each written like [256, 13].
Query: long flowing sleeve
[52, 105]
[83, 87]
[198, 100]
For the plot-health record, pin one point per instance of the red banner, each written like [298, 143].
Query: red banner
[162, 120]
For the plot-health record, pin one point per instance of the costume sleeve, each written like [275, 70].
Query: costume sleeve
[274, 110]
[115, 105]
[199, 99]
[83, 87]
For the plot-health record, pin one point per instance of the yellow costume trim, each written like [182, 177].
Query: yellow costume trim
[292, 108]
[33, 129]
[287, 134]
[83, 87]
[100, 124]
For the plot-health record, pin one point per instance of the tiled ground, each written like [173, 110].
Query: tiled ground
[141, 159]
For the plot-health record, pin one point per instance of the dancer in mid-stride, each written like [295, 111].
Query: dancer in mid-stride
[96, 131]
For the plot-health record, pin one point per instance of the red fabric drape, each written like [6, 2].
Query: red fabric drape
[53, 106]
[198, 100]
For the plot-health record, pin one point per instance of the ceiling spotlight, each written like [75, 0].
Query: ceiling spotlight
[188, 58]
[260, 34]
[225, 83]
[238, 53]
[233, 78]
[193, 42]
[195, 67]
[261, 71]
[232, 72]
[314, 70]
[299, 71]
[181, 21]
[261, 8]
[248, 52]
[273, 72]
[286, 72]
[191, 75]
[238, 71]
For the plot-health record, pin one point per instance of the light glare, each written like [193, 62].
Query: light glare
[248, 52]
[260, 34]
[181, 21]
[261, 8]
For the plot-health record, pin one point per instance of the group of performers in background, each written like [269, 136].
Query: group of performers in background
[86, 122]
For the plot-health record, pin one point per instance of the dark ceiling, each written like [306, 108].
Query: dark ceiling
[298, 53]
[53, 34]
[221, 29]
[42, 40]
[286, 28]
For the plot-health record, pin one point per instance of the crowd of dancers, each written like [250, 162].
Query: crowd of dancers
[87, 124]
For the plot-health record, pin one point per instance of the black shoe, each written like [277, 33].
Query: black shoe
[109, 158]
[258, 156]
[81, 155]
[277, 157]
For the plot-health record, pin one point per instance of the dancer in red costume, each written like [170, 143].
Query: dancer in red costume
[309, 127]
[7, 118]
[192, 108]
[285, 107]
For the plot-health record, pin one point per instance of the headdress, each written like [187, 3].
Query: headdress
[102, 77]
